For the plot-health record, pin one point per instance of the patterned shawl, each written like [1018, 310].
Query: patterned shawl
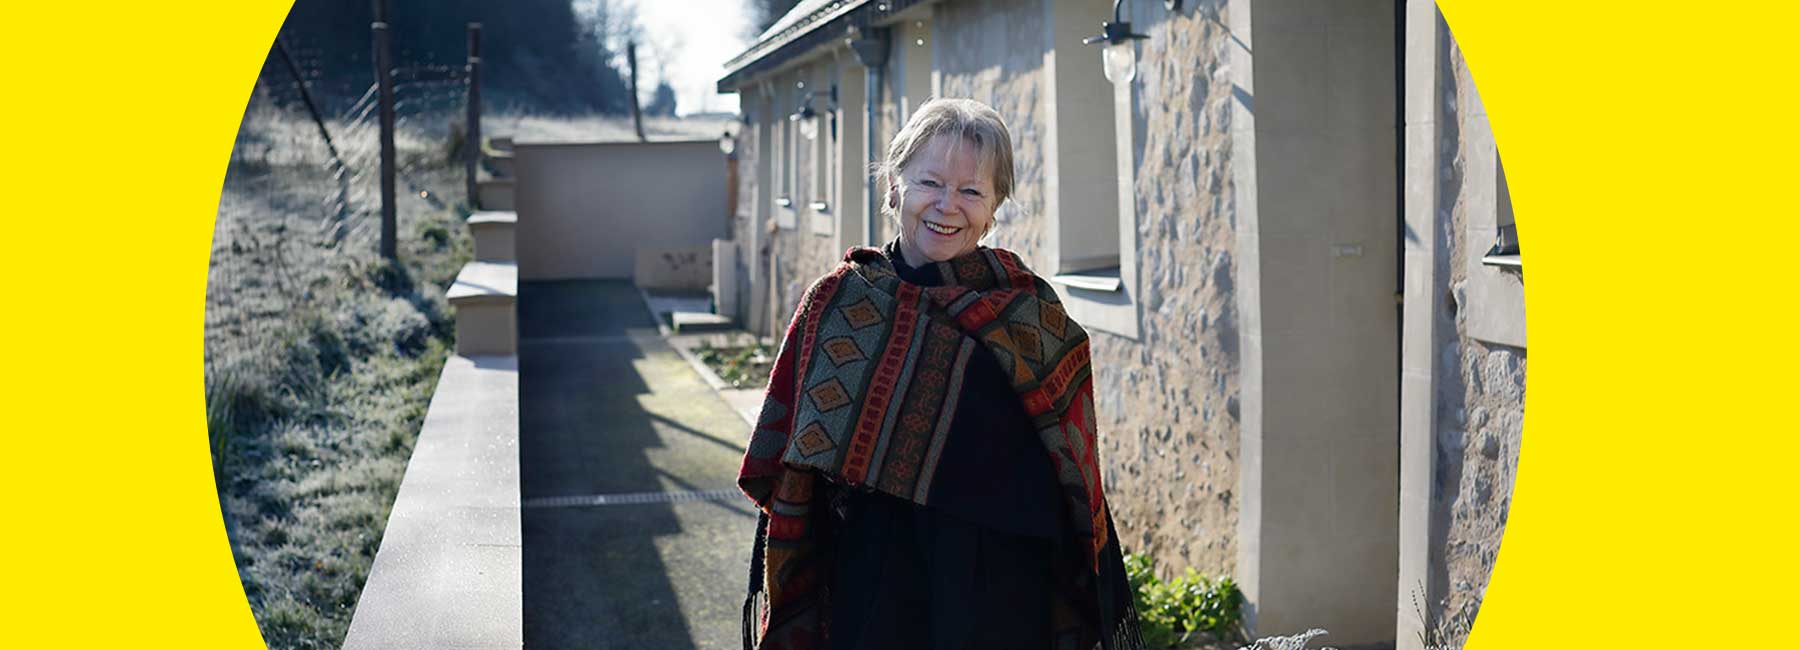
[863, 392]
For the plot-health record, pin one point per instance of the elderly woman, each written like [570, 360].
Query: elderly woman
[925, 461]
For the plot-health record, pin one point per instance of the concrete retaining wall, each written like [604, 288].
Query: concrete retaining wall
[585, 209]
[689, 268]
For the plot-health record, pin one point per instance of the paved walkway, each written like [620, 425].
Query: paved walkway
[628, 542]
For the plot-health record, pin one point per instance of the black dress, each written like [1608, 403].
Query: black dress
[974, 572]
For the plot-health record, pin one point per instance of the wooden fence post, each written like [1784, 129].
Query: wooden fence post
[472, 144]
[637, 114]
[384, 80]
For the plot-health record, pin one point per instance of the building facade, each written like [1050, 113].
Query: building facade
[1279, 227]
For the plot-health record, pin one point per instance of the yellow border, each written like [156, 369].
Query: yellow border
[119, 118]
[1649, 147]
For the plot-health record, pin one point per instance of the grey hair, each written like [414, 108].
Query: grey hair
[972, 121]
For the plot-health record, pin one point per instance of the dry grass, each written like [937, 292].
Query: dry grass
[321, 358]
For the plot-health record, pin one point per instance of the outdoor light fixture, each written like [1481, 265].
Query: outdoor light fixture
[728, 144]
[1119, 58]
[806, 118]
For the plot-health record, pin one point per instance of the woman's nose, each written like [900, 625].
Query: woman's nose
[946, 201]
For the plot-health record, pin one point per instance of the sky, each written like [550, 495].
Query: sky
[699, 36]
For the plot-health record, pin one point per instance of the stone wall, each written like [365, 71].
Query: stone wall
[801, 255]
[992, 51]
[1169, 399]
[1481, 391]
[749, 192]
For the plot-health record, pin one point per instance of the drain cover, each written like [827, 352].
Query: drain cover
[631, 499]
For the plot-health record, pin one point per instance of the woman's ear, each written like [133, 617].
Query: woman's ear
[893, 197]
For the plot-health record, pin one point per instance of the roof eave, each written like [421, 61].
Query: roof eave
[824, 25]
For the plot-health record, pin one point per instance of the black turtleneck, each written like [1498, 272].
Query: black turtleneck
[994, 470]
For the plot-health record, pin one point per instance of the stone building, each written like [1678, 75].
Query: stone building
[1286, 229]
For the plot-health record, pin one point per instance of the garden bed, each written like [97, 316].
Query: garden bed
[738, 366]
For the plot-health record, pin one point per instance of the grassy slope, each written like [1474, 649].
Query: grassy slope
[321, 359]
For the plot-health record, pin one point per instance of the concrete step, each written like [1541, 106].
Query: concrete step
[692, 322]
[493, 233]
[450, 566]
[494, 193]
[485, 296]
[499, 164]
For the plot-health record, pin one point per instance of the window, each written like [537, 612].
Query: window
[1090, 176]
[1495, 289]
[824, 104]
[786, 98]
[1505, 252]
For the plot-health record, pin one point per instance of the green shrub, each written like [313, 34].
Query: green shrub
[437, 234]
[1175, 612]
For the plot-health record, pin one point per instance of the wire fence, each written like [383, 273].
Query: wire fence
[301, 203]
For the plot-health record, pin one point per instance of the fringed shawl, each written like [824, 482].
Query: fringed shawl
[862, 395]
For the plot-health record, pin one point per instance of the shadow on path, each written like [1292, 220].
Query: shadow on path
[606, 407]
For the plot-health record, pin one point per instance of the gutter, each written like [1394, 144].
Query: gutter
[827, 25]
[871, 48]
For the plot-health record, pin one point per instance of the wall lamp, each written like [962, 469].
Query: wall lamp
[728, 144]
[806, 118]
[1119, 58]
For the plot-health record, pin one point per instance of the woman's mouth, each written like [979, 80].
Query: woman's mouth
[942, 229]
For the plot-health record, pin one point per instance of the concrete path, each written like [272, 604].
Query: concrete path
[610, 414]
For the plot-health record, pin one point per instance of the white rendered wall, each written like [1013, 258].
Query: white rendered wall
[1316, 138]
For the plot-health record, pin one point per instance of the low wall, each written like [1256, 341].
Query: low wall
[586, 209]
[450, 567]
[688, 268]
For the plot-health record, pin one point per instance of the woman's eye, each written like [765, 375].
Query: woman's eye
[972, 193]
[928, 183]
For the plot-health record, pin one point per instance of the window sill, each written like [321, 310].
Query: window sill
[1106, 280]
[784, 213]
[1100, 301]
[1503, 261]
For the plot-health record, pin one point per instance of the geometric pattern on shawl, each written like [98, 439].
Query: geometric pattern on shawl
[876, 415]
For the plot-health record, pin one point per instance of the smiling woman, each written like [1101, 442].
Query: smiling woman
[925, 461]
[947, 172]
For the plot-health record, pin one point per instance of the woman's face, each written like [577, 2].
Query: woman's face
[945, 200]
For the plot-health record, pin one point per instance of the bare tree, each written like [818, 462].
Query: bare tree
[611, 24]
[764, 13]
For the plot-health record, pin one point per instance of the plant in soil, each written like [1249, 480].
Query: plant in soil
[744, 366]
[1187, 610]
